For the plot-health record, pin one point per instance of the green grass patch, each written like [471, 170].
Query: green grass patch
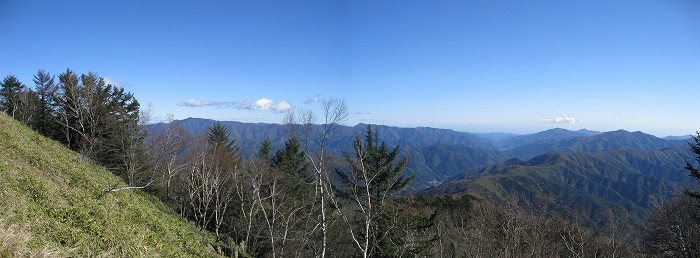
[53, 203]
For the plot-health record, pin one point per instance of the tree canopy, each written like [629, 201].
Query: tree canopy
[694, 171]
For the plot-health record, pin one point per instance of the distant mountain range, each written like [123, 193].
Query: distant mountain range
[549, 136]
[582, 172]
[615, 140]
[249, 135]
[683, 138]
[418, 144]
[581, 186]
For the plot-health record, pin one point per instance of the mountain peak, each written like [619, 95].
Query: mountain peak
[622, 132]
[557, 129]
[588, 132]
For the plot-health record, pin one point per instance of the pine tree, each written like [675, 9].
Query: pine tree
[265, 150]
[291, 159]
[10, 90]
[373, 179]
[101, 121]
[694, 171]
[374, 166]
[123, 134]
[45, 88]
[219, 136]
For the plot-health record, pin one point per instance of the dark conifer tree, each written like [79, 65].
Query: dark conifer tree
[374, 166]
[291, 159]
[694, 171]
[101, 121]
[123, 133]
[373, 180]
[265, 150]
[218, 135]
[45, 88]
[10, 90]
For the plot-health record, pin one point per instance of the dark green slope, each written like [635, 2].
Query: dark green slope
[581, 186]
[616, 140]
[545, 137]
[436, 164]
[426, 136]
[452, 160]
[53, 203]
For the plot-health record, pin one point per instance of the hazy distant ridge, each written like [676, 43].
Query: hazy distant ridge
[436, 155]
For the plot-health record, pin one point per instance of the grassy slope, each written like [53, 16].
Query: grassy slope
[53, 202]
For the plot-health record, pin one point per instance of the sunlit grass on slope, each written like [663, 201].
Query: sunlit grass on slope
[53, 202]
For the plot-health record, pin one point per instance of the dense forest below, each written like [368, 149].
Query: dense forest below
[312, 187]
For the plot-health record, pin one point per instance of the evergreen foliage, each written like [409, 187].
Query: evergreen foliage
[291, 160]
[102, 122]
[374, 167]
[265, 150]
[373, 179]
[17, 100]
[218, 135]
[45, 89]
[98, 120]
[9, 94]
[694, 171]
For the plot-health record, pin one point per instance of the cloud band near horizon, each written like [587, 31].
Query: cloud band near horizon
[263, 104]
[561, 120]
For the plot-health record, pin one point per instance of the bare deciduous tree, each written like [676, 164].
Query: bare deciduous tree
[209, 184]
[165, 151]
[672, 229]
[301, 126]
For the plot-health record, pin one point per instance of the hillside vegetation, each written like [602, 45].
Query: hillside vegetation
[53, 202]
[582, 186]
[615, 140]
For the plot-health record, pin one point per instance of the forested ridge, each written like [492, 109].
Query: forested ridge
[314, 188]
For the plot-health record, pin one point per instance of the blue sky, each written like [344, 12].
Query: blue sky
[478, 66]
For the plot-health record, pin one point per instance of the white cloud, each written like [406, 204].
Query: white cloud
[561, 120]
[313, 99]
[193, 103]
[268, 104]
[115, 83]
[284, 106]
[218, 104]
[263, 104]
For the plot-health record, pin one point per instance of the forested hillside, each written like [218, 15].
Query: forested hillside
[582, 186]
[615, 140]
